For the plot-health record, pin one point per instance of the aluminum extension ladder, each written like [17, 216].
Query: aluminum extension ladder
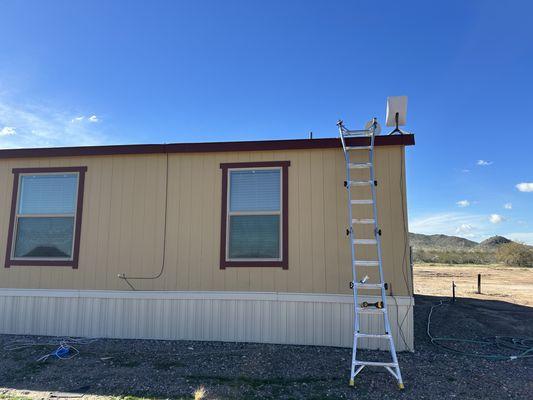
[355, 219]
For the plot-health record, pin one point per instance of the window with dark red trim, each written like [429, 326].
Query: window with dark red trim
[45, 221]
[254, 217]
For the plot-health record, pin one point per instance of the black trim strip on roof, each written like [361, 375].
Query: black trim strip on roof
[292, 144]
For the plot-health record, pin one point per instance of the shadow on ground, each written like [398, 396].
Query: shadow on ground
[174, 369]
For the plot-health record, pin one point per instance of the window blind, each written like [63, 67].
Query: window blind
[255, 190]
[48, 194]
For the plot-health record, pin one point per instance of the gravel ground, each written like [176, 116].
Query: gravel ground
[175, 369]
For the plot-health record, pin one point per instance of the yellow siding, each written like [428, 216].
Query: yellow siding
[123, 220]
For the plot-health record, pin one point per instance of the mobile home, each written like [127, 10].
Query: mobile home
[232, 241]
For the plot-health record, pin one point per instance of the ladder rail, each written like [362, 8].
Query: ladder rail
[352, 247]
[377, 234]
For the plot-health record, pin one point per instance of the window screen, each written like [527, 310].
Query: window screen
[254, 214]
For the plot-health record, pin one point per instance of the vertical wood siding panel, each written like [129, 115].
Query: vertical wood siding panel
[293, 273]
[170, 275]
[218, 274]
[197, 192]
[115, 224]
[304, 224]
[317, 222]
[89, 239]
[159, 236]
[99, 257]
[183, 239]
[137, 248]
[331, 227]
[210, 209]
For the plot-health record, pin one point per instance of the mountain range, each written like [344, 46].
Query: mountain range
[444, 242]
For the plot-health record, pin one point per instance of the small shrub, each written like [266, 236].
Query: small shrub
[452, 257]
[515, 254]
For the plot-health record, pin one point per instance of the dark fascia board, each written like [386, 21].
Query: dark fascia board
[208, 147]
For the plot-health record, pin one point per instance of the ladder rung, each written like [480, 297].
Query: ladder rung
[373, 335]
[366, 263]
[357, 133]
[358, 148]
[369, 310]
[363, 201]
[365, 241]
[363, 221]
[368, 285]
[361, 183]
[360, 165]
[376, 363]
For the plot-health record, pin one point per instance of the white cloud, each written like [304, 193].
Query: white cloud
[463, 203]
[483, 163]
[39, 125]
[93, 118]
[8, 131]
[452, 223]
[525, 237]
[77, 119]
[465, 230]
[508, 206]
[466, 171]
[525, 187]
[496, 218]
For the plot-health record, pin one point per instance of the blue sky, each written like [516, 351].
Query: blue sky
[100, 72]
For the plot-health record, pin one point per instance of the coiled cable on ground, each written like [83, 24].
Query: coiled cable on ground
[66, 350]
[521, 346]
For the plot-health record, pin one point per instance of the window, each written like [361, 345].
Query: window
[254, 226]
[45, 223]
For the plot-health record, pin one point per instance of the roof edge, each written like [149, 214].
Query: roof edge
[207, 147]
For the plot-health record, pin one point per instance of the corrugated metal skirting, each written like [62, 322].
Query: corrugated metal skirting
[289, 318]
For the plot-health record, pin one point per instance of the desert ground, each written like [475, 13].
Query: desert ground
[498, 282]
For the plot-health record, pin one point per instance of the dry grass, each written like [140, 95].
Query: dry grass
[510, 284]
[199, 394]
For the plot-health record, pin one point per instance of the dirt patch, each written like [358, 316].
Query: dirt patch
[497, 282]
[132, 369]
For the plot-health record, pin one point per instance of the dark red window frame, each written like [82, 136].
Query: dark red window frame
[77, 230]
[284, 263]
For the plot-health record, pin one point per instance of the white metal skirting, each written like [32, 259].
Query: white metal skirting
[288, 318]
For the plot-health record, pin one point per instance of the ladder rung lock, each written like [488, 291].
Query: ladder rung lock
[363, 221]
[360, 165]
[366, 263]
[364, 201]
[365, 241]
[376, 363]
[373, 335]
[358, 148]
[360, 183]
[369, 285]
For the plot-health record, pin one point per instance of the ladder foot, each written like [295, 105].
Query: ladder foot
[401, 386]
[351, 383]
